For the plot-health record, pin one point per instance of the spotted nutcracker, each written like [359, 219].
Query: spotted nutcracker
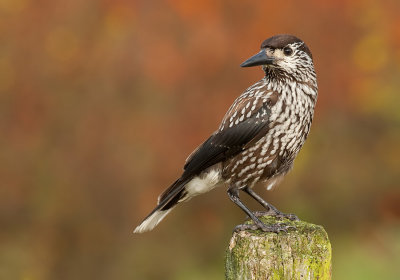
[259, 137]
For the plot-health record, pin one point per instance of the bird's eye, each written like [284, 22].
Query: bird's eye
[287, 51]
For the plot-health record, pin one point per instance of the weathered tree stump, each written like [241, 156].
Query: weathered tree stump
[301, 253]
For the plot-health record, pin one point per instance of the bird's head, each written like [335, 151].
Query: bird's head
[284, 57]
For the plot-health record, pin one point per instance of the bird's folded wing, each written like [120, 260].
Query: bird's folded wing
[229, 141]
[223, 144]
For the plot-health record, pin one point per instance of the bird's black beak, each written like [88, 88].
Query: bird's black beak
[259, 59]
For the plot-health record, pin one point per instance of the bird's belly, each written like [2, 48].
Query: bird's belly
[266, 161]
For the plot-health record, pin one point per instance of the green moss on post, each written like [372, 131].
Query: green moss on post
[301, 253]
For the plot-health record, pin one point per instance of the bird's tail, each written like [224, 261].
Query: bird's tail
[151, 220]
[166, 202]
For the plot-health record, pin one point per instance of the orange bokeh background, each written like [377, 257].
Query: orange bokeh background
[102, 101]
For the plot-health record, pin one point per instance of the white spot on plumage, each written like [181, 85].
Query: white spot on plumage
[270, 186]
[263, 165]
[263, 152]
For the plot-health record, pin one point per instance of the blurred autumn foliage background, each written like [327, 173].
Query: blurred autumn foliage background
[101, 102]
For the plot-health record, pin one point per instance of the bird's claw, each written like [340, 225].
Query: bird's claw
[279, 215]
[289, 216]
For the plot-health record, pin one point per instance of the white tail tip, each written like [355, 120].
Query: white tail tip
[151, 221]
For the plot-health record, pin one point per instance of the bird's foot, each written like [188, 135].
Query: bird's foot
[277, 214]
[276, 228]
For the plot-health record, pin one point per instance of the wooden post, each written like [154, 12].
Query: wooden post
[301, 253]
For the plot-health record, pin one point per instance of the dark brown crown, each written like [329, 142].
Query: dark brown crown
[282, 40]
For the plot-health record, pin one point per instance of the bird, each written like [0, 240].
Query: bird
[258, 139]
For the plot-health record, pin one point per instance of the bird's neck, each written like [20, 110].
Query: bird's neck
[278, 83]
[277, 76]
[274, 77]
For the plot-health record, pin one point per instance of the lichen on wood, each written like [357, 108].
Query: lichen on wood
[301, 253]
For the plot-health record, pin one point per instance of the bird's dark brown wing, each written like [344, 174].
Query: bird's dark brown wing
[225, 143]
[245, 122]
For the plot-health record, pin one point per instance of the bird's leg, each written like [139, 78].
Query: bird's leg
[271, 210]
[233, 193]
